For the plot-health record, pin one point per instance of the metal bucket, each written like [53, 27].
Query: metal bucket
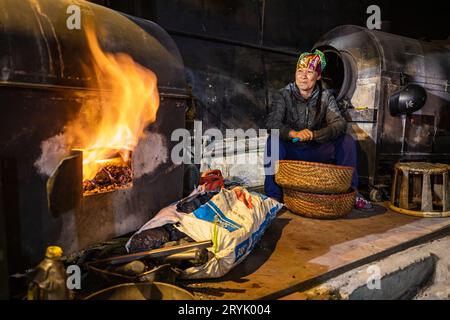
[142, 291]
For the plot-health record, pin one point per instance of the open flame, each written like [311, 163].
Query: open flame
[129, 102]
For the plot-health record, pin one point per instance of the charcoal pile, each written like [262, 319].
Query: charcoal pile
[108, 178]
[190, 204]
[165, 236]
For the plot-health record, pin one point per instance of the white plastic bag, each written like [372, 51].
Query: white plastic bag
[233, 219]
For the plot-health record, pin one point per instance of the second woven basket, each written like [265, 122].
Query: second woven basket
[319, 206]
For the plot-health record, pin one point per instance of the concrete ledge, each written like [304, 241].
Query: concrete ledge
[421, 272]
[404, 283]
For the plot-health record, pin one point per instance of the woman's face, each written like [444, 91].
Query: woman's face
[306, 78]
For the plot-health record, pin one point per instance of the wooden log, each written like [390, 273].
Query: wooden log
[404, 190]
[445, 193]
[416, 188]
[427, 194]
[394, 187]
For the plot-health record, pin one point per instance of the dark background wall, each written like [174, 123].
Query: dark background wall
[237, 52]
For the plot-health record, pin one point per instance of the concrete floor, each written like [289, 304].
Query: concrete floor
[297, 253]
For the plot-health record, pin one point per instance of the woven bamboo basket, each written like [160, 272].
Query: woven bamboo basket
[319, 206]
[313, 177]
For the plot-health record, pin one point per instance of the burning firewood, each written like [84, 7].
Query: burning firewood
[108, 178]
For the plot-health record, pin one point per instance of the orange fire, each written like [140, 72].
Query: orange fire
[129, 102]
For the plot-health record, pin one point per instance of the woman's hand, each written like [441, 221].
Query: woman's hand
[304, 135]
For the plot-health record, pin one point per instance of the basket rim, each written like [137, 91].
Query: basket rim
[317, 164]
[326, 196]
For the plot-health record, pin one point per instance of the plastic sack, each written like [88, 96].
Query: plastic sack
[234, 220]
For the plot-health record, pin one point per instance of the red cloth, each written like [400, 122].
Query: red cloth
[213, 180]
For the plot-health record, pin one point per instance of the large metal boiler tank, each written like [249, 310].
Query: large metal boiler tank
[43, 87]
[366, 67]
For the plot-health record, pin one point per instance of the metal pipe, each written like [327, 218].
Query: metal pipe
[172, 92]
[156, 253]
[197, 255]
[404, 117]
[232, 42]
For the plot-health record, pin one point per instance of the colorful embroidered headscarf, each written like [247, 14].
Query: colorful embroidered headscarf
[314, 61]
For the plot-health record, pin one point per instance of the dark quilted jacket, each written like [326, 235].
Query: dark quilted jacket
[290, 111]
